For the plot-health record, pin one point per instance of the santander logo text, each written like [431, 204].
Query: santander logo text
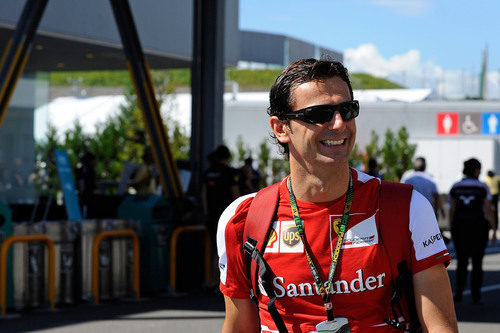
[356, 285]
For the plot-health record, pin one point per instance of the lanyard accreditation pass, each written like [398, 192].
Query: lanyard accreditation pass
[325, 292]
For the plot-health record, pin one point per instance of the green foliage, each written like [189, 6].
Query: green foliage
[75, 143]
[120, 138]
[91, 78]
[120, 78]
[241, 149]
[247, 79]
[372, 149]
[405, 151]
[46, 180]
[356, 158]
[280, 169]
[264, 156]
[253, 79]
[179, 142]
[396, 153]
[180, 77]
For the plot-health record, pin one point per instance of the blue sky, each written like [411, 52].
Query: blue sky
[431, 43]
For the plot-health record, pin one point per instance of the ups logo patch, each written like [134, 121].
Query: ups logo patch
[290, 236]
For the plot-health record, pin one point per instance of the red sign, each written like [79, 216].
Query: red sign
[447, 123]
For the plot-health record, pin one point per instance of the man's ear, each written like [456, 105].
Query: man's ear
[280, 128]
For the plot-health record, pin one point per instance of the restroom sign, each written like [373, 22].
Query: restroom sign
[491, 123]
[447, 123]
[470, 123]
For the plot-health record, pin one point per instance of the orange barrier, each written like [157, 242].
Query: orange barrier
[95, 259]
[3, 266]
[173, 252]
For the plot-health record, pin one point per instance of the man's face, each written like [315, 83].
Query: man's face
[321, 144]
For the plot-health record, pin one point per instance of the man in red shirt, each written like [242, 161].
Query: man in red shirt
[312, 117]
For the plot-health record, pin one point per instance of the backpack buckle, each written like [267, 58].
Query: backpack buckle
[250, 247]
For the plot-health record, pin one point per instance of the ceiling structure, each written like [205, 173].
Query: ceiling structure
[69, 53]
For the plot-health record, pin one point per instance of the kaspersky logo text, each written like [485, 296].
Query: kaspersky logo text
[356, 285]
[432, 239]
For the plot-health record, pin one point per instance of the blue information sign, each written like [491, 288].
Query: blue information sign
[490, 123]
[67, 185]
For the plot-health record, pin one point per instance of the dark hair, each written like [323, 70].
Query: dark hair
[297, 73]
[491, 173]
[372, 163]
[221, 153]
[470, 167]
[419, 164]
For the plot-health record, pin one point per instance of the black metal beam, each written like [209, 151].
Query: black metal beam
[143, 84]
[207, 85]
[18, 48]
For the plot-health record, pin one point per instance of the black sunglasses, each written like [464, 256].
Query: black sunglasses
[320, 114]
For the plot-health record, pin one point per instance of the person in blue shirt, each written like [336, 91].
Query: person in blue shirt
[424, 183]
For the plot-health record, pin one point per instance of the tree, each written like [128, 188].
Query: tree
[120, 138]
[397, 154]
[242, 151]
[356, 159]
[45, 176]
[279, 168]
[405, 152]
[372, 149]
[264, 159]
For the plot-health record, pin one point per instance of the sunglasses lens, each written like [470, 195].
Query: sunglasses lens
[349, 111]
[319, 116]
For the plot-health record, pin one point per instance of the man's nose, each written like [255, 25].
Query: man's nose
[337, 123]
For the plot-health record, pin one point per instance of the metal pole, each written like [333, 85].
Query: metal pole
[207, 85]
[16, 54]
[139, 71]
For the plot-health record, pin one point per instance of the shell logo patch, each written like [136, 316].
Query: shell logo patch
[273, 237]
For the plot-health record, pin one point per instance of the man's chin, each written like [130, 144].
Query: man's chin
[337, 160]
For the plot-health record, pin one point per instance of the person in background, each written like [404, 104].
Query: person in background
[373, 168]
[219, 186]
[471, 219]
[249, 177]
[144, 177]
[424, 183]
[493, 182]
[87, 185]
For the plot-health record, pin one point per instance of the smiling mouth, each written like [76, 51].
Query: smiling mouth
[330, 143]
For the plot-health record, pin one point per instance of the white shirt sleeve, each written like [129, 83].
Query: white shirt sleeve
[425, 233]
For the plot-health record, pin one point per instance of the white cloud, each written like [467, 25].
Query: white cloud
[406, 7]
[411, 71]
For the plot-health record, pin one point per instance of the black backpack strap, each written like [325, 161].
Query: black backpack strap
[394, 220]
[258, 225]
[266, 277]
[256, 231]
[405, 281]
